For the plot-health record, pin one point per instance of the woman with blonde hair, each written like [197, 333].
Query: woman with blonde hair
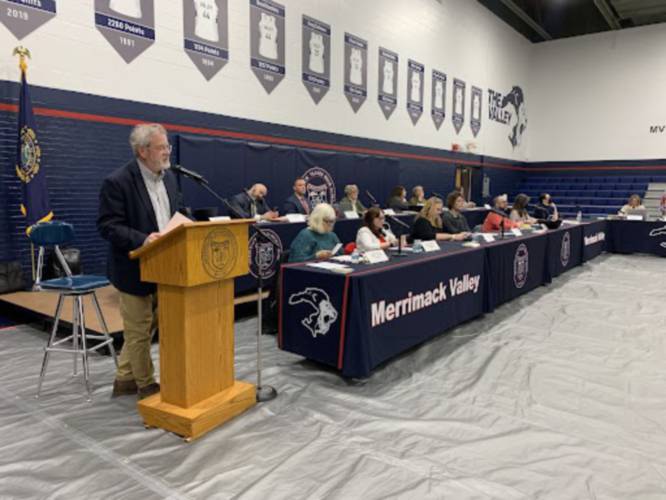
[318, 239]
[634, 203]
[428, 223]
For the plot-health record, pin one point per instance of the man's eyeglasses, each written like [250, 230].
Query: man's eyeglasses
[163, 147]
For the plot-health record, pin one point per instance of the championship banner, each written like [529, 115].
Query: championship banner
[475, 117]
[128, 25]
[415, 72]
[267, 43]
[22, 17]
[438, 98]
[35, 206]
[206, 30]
[316, 57]
[458, 115]
[387, 81]
[356, 70]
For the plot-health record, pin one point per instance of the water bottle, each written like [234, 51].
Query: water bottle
[417, 246]
[355, 256]
[579, 216]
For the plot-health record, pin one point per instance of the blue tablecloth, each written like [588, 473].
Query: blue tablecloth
[266, 256]
[637, 237]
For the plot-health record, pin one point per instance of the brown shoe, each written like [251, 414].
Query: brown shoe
[123, 388]
[148, 390]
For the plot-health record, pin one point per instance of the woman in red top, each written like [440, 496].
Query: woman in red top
[494, 221]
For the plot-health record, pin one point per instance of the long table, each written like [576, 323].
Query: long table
[356, 321]
[265, 257]
[637, 237]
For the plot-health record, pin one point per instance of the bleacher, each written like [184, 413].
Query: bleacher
[594, 196]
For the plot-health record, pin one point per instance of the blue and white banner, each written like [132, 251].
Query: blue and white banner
[267, 42]
[22, 17]
[356, 70]
[129, 26]
[316, 57]
[438, 98]
[206, 30]
[415, 84]
[475, 115]
[387, 81]
[458, 114]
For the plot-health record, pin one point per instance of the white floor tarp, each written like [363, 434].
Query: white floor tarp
[558, 395]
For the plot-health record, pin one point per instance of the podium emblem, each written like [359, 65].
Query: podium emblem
[219, 253]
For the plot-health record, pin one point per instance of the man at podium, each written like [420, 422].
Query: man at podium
[136, 203]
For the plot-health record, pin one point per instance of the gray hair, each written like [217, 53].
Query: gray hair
[350, 187]
[317, 216]
[142, 134]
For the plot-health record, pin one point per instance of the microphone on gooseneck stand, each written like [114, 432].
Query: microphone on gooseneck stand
[189, 173]
[372, 198]
[439, 195]
[399, 223]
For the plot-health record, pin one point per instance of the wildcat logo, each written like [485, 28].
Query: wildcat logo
[320, 187]
[320, 321]
[265, 255]
[219, 253]
[509, 110]
[660, 231]
[521, 266]
[565, 249]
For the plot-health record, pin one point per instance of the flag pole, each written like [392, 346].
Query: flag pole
[24, 54]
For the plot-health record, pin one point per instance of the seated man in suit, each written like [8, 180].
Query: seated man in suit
[252, 203]
[136, 203]
[297, 203]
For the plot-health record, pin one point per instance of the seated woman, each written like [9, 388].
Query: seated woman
[519, 210]
[634, 203]
[494, 221]
[373, 235]
[418, 196]
[452, 220]
[318, 239]
[662, 205]
[350, 202]
[428, 223]
[397, 199]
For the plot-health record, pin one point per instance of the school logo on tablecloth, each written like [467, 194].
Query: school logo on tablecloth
[521, 266]
[319, 321]
[565, 249]
[320, 187]
[265, 255]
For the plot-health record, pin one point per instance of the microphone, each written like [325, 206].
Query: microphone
[372, 198]
[397, 221]
[498, 212]
[440, 196]
[189, 173]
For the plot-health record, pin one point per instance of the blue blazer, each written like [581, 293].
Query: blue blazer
[241, 202]
[293, 206]
[126, 218]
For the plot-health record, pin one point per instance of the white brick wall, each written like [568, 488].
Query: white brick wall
[459, 37]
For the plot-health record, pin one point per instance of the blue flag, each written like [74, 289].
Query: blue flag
[35, 206]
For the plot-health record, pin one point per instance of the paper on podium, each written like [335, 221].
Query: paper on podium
[177, 220]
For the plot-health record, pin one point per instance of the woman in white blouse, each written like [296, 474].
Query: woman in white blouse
[373, 235]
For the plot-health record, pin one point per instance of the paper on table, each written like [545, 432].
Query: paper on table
[329, 266]
[178, 219]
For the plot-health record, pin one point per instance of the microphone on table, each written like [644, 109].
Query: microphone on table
[439, 195]
[372, 198]
[189, 173]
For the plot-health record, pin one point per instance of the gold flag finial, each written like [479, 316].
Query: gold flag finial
[23, 53]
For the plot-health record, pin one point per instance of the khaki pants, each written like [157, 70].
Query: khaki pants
[139, 321]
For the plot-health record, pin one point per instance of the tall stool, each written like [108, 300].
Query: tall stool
[54, 234]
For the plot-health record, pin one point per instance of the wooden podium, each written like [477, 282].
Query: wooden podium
[194, 267]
